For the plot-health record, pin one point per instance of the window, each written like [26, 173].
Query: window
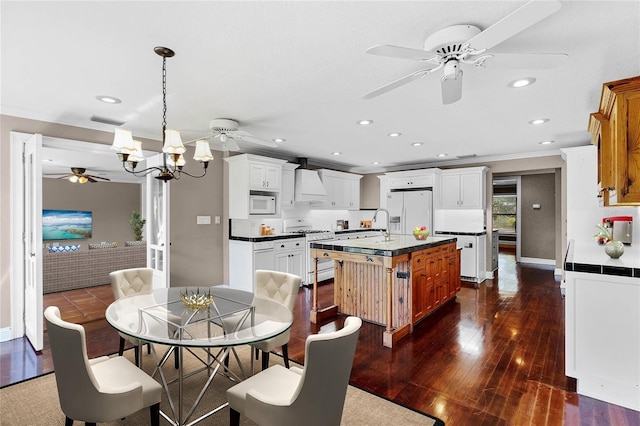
[505, 213]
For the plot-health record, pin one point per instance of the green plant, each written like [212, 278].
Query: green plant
[137, 223]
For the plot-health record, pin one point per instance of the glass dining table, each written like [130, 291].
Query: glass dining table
[215, 319]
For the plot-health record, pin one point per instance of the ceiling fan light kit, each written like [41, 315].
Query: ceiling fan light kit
[450, 48]
[130, 151]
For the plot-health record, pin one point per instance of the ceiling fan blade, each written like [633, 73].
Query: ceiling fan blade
[519, 20]
[400, 52]
[397, 83]
[232, 145]
[249, 138]
[451, 89]
[97, 177]
[527, 60]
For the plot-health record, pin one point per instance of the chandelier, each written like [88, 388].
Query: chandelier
[130, 150]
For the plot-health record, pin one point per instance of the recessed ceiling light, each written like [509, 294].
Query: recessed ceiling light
[336, 153]
[538, 121]
[375, 163]
[364, 122]
[278, 140]
[442, 155]
[417, 144]
[522, 82]
[546, 142]
[108, 99]
[394, 134]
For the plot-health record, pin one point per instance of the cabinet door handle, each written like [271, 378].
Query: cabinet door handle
[325, 254]
[369, 259]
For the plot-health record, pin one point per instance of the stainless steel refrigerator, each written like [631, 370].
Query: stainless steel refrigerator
[408, 209]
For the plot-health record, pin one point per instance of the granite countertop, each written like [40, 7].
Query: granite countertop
[588, 256]
[473, 234]
[348, 231]
[399, 244]
[258, 238]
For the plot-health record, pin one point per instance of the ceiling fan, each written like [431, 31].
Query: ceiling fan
[451, 47]
[224, 135]
[78, 175]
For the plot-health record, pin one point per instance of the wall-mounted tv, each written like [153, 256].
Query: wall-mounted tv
[66, 224]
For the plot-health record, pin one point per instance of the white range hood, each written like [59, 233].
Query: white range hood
[308, 186]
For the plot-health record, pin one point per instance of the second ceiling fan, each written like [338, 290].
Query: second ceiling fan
[225, 133]
[451, 47]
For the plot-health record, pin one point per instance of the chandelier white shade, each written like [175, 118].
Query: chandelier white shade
[203, 151]
[130, 151]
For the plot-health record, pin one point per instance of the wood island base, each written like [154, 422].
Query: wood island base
[395, 287]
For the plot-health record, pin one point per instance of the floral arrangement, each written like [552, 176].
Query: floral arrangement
[196, 300]
[603, 236]
[420, 232]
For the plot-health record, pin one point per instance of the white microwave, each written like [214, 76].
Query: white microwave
[262, 204]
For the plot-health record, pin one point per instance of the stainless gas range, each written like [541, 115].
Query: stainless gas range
[304, 227]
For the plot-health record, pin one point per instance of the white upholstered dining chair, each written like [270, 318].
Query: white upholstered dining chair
[100, 389]
[283, 288]
[313, 395]
[126, 282]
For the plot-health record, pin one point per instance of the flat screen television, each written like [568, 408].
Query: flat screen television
[66, 224]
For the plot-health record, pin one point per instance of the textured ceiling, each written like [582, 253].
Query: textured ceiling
[297, 70]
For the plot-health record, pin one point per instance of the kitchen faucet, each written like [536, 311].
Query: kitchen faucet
[387, 233]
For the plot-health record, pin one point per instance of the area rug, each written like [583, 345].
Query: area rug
[35, 402]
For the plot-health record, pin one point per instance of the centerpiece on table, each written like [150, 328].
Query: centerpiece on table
[420, 232]
[613, 248]
[196, 300]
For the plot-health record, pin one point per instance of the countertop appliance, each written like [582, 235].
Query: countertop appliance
[621, 228]
[408, 209]
[304, 227]
[262, 204]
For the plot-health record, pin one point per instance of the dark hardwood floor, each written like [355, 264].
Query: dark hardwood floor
[494, 356]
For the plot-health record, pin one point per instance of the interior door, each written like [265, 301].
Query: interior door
[156, 230]
[32, 254]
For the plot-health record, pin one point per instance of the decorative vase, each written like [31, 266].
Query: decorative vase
[614, 249]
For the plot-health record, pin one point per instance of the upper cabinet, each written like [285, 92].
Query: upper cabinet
[287, 193]
[615, 130]
[265, 177]
[252, 174]
[463, 188]
[412, 180]
[343, 189]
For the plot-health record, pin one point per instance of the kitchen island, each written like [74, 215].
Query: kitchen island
[393, 283]
[602, 322]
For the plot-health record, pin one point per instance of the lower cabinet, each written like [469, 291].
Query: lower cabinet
[435, 279]
[289, 257]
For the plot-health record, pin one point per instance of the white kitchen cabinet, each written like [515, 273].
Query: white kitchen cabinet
[463, 188]
[343, 189]
[289, 256]
[287, 192]
[252, 174]
[412, 179]
[602, 334]
[264, 177]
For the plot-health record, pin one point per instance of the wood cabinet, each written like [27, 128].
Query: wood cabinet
[615, 130]
[435, 279]
[287, 193]
[463, 188]
[252, 174]
[343, 189]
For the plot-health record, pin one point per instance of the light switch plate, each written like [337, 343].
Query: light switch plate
[203, 220]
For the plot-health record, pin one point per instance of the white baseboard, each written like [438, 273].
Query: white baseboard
[5, 334]
[537, 261]
[489, 275]
[558, 273]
